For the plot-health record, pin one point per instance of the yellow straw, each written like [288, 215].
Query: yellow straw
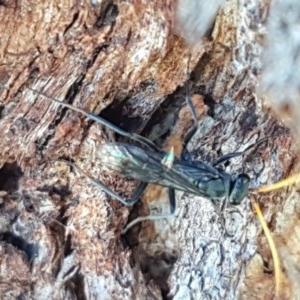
[275, 256]
[283, 183]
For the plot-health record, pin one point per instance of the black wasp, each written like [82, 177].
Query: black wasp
[145, 164]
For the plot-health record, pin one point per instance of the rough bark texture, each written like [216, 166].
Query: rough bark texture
[61, 235]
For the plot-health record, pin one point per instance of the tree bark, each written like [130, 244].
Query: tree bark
[61, 235]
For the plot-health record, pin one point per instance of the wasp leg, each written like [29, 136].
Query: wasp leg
[227, 157]
[186, 156]
[136, 137]
[235, 154]
[188, 97]
[172, 201]
[144, 141]
[136, 195]
[192, 108]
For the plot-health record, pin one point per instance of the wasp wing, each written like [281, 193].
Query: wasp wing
[146, 166]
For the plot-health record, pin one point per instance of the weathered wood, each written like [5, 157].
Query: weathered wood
[60, 234]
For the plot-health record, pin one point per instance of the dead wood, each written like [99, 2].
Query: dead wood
[60, 235]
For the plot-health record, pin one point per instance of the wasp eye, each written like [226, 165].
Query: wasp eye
[239, 189]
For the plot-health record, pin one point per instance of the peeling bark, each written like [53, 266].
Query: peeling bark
[61, 235]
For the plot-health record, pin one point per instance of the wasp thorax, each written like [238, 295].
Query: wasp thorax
[212, 187]
[239, 189]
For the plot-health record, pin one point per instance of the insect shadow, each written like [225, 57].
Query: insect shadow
[150, 164]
